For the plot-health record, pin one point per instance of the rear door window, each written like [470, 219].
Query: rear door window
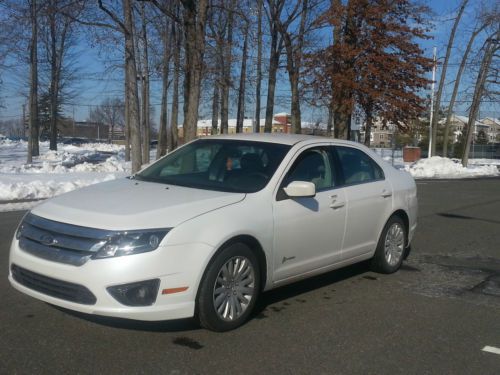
[356, 167]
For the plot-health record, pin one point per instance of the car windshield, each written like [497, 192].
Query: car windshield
[218, 164]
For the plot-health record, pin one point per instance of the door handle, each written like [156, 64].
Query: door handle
[336, 204]
[386, 193]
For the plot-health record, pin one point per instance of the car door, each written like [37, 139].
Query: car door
[308, 232]
[369, 200]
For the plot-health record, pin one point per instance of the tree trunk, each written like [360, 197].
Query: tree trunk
[368, 126]
[491, 48]
[53, 77]
[274, 60]
[162, 132]
[226, 72]
[127, 120]
[296, 115]
[33, 148]
[341, 129]
[329, 123]
[146, 139]
[195, 16]
[240, 117]
[455, 89]
[131, 80]
[259, 67]
[294, 62]
[215, 109]
[174, 132]
[437, 102]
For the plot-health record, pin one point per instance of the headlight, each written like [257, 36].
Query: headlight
[131, 242]
[20, 227]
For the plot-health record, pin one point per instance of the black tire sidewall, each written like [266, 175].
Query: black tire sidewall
[205, 310]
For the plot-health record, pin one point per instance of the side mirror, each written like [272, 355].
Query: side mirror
[303, 189]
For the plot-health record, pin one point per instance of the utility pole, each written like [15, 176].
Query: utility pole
[429, 154]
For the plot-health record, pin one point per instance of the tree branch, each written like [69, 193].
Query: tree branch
[114, 17]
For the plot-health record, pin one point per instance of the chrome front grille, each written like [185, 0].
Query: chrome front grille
[60, 242]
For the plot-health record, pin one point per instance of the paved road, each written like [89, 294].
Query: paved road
[432, 317]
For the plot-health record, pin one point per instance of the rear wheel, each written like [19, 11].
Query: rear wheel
[229, 289]
[391, 247]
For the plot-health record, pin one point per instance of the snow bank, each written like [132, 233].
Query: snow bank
[22, 206]
[56, 172]
[438, 167]
[40, 189]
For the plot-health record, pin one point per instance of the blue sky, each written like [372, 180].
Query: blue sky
[98, 81]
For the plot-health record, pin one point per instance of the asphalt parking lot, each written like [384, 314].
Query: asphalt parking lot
[433, 316]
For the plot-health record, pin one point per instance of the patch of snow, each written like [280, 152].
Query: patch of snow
[57, 172]
[45, 188]
[22, 206]
[438, 167]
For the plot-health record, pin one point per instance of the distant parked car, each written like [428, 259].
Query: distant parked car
[203, 231]
[76, 141]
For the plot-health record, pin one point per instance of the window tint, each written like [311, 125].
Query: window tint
[214, 164]
[313, 165]
[357, 167]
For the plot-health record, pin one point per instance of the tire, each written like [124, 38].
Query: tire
[229, 289]
[391, 247]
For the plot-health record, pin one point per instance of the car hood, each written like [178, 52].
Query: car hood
[126, 204]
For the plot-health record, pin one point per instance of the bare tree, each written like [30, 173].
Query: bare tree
[458, 79]
[58, 39]
[33, 147]
[273, 13]
[226, 64]
[293, 40]
[491, 47]
[259, 67]
[217, 28]
[174, 133]
[437, 99]
[243, 76]
[146, 130]
[132, 118]
[167, 46]
[194, 17]
[111, 112]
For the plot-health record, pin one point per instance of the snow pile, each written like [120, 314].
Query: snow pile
[40, 189]
[438, 167]
[56, 172]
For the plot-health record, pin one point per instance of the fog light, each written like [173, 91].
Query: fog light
[142, 293]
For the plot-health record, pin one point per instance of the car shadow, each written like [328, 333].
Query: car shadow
[178, 325]
[299, 288]
[267, 299]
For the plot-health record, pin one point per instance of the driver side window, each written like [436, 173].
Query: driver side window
[313, 165]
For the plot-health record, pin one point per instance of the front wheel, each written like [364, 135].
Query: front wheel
[229, 289]
[391, 246]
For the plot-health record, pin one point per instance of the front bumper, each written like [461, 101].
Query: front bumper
[176, 266]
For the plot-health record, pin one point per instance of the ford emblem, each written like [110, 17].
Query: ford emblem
[48, 240]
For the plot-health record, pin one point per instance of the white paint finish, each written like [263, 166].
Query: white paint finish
[124, 204]
[308, 233]
[311, 229]
[491, 349]
[368, 207]
[300, 189]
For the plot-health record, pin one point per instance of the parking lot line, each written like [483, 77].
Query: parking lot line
[491, 349]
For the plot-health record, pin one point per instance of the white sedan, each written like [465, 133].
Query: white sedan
[203, 231]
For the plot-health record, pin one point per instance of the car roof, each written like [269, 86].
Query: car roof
[282, 138]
